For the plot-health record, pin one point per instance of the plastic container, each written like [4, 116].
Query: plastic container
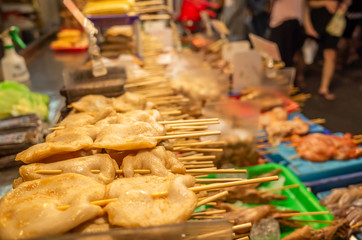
[308, 171]
[334, 182]
[79, 82]
[299, 199]
[111, 20]
[324, 194]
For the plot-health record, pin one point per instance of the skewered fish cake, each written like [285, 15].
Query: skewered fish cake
[84, 118]
[131, 101]
[30, 210]
[82, 165]
[135, 206]
[92, 103]
[130, 136]
[158, 160]
[61, 141]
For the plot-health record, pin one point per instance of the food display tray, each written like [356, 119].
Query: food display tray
[313, 128]
[324, 194]
[334, 182]
[299, 199]
[308, 171]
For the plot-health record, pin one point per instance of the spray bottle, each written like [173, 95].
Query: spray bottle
[13, 65]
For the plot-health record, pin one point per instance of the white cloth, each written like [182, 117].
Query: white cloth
[284, 10]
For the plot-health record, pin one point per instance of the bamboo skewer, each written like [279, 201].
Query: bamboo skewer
[282, 188]
[181, 149]
[212, 198]
[192, 124]
[218, 180]
[147, 171]
[188, 127]
[241, 226]
[199, 166]
[287, 215]
[312, 221]
[99, 203]
[208, 133]
[190, 121]
[243, 238]
[231, 184]
[205, 143]
[317, 121]
[198, 163]
[356, 225]
[294, 157]
[193, 158]
[206, 213]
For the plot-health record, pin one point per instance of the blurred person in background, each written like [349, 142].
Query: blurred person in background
[288, 19]
[321, 14]
[347, 46]
[234, 15]
[260, 16]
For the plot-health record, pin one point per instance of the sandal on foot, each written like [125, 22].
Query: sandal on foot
[328, 96]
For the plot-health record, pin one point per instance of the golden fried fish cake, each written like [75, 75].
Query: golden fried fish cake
[81, 165]
[158, 160]
[136, 207]
[31, 210]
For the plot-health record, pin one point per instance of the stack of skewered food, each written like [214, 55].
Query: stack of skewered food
[107, 154]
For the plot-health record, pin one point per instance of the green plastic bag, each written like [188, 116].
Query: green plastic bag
[16, 99]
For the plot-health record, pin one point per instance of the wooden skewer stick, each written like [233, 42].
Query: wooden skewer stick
[205, 143]
[198, 162]
[294, 157]
[181, 149]
[190, 121]
[205, 213]
[187, 135]
[208, 217]
[199, 166]
[282, 188]
[286, 215]
[188, 127]
[211, 234]
[317, 121]
[356, 225]
[241, 226]
[236, 183]
[211, 171]
[312, 221]
[243, 238]
[218, 180]
[193, 158]
[212, 198]
[147, 171]
[192, 124]
[99, 203]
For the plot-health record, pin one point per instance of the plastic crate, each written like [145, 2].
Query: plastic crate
[308, 171]
[324, 194]
[299, 199]
[111, 20]
[334, 182]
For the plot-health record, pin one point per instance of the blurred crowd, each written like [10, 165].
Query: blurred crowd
[332, 26]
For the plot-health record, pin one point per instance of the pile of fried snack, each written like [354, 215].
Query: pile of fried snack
[80, 162]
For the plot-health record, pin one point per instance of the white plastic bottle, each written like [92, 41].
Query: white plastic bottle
[13, 65]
